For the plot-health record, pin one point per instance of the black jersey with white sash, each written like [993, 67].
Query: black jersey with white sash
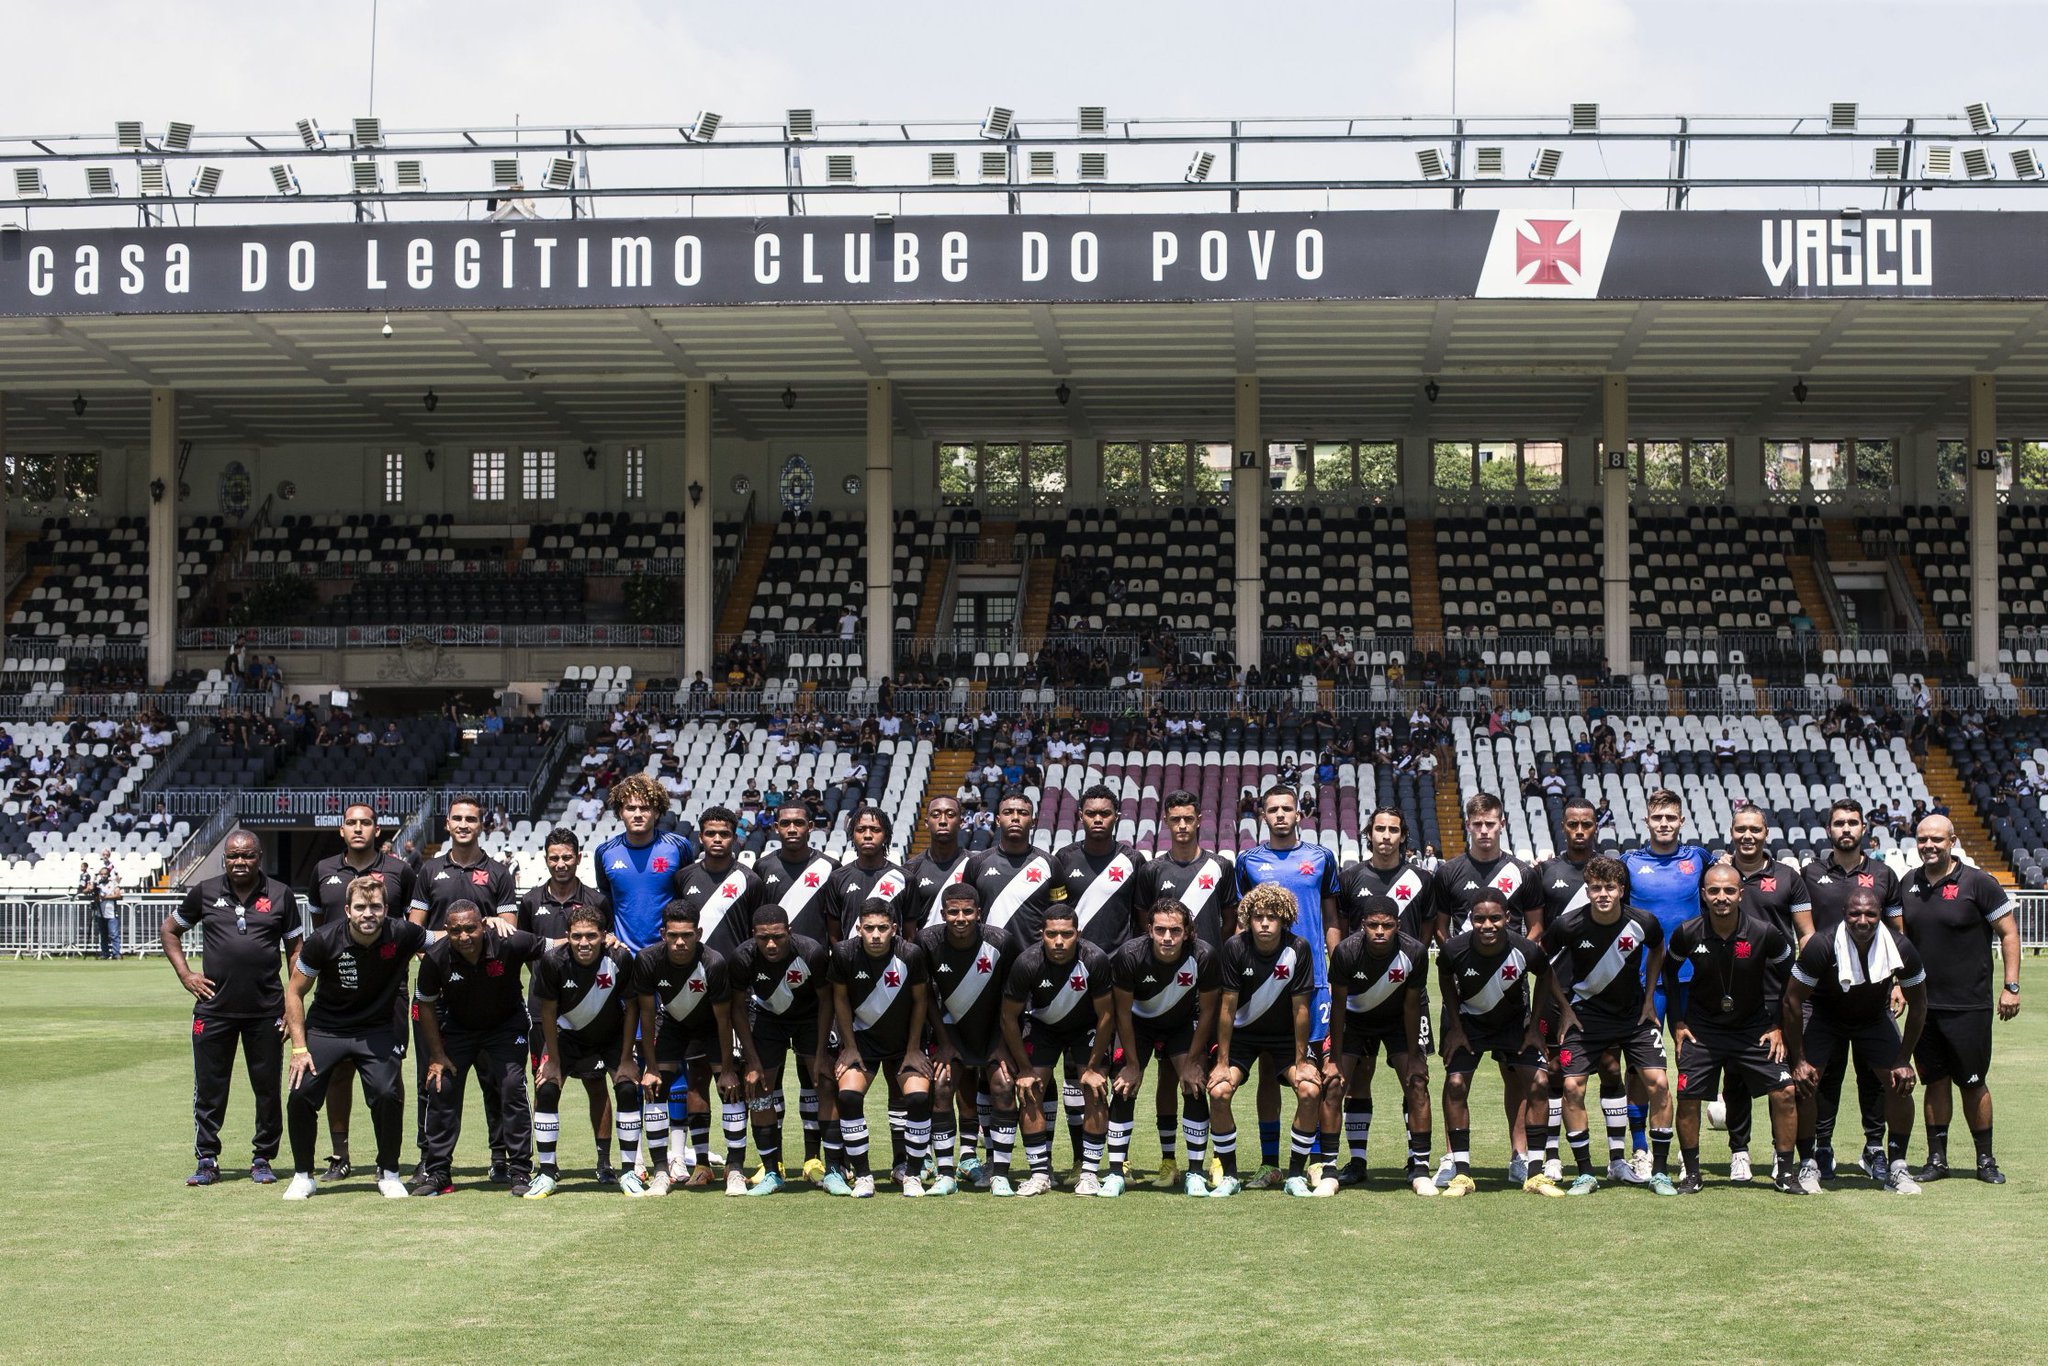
[967, 983]
[1101, 889]
[1376, 984]
[1205, 885]
[590, 1002]
[790, 990]
[684, 993]
[1059, 998]
[1015, 890]
[1491, 989]
[1265, 985]
[799, 888]
[1165, 997]
[878, 990]
[1605, 966]
[724, 903]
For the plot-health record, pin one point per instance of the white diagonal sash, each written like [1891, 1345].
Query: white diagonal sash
[690, 997]
[973, 982]
[1017, 891]
[1609, 964]
[1170, 995]
[1101, 890]
[720, 903]
[797, 895]
[778, 1001]
[1375, 996]
[595, 1000]
[1269, 990]
[1067, 997]
[1497, 985]
[883, 996]
[1195, 896]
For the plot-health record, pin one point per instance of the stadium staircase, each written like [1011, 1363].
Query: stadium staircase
[1945, 785]
[949, 770]
[739, 597]
[30, 581]
[938, 575]
[1035, 602]
[1806, 585]
[1425, 594]
[1843, 544]
[998, 543]
[1450, 803]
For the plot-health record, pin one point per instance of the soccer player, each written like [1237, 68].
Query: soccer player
[778, 981]
[360, 963]
[1829, 882]
[723, 892]
[463, 872]
[1485, 866]
[1202, 881]
[1167, 986]
[249, 925]
[359, 857]
[640, 869]
[1952, 913]
[1776, 892]
[872, 876]
[1730, 1018]
[1603, 957]
[544, 912]
[1377, 1001]
[1267, 1015]
[1484, 973]
[685, 1008]
[1309, 873]
[796, 874]
[970, 1079]
[1097, 873]
[938, 867]
[1386, 872]
[1845, 980]
[1056, 1005]
[1563, 883]
[878, 1005]
[475, 1017]
[585, 988]
[1014, 879]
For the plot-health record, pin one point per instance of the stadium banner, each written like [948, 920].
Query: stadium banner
[1142, 258]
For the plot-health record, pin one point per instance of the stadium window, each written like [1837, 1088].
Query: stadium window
[1498, 466]
[1002, 472]
[1706, 465]
[1876, 464]
[1045, 466]
[1542, 464]
[636, 473]
[1167, 470]
[1451, 464]
[81, 477]
[1826, 465]
[1657, 465]
[394, 477]
[1952, 465]
[1335, 465]
[1215, 467]
[959, 472]
[2030, 469]
[1785, 466]
[33, 478]
[537, 476]
[1794, 467]
[487, 476]
[1379, 464]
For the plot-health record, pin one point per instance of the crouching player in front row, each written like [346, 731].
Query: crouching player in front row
[1376, 995]
[585, 991]
[1269, 984]
[1485, 977]
[878, 1001]
[1168, 988]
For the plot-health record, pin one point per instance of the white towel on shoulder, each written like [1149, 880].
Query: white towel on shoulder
[1849, 965]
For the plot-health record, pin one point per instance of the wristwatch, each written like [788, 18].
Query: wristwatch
[2013, 987]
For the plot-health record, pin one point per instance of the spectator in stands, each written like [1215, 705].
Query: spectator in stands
[855, 778]
[391, 738]
[158, 821]
[1725, 750]
[1532, 786]
[588, 808]
[814, 801]
[494, 724]
[1603, 817]
[1554, 785]
[968, 794]
[89, 893]
[1429, 860]
[1290, 771]
[991, 779]
[785, 753]
[1247, 804]
[1650, 761]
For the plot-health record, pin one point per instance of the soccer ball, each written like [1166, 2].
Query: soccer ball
[1717, 1114]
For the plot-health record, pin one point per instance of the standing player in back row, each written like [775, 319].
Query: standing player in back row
[1202, 881]
[641, 868]
[1487, 868]
[1097, 875]
[940, 866]
[1308, 872]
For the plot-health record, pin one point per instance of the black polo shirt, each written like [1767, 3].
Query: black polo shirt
[1830, 887]
[481, 996]
[357, 986]
[1951, 923]
[244, 943]
[1819, 967]
[1745, 969]
[331, 877]
[543, 913]
[442, 882]
[1778, 892]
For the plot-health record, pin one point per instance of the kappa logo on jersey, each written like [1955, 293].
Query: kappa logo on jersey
[1047, 984]
[1558, 884]
[1149, 980]
[617, 865]
[861, 976]
[1585, 944]
[1470, 885]
[334, 879]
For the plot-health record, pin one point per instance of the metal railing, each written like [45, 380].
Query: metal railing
[322, 806]
[74, 647]
[200, 843]
[567, 635]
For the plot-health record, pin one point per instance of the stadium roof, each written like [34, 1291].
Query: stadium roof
[1330, 369]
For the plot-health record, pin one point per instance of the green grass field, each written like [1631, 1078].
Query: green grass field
[108, 1255]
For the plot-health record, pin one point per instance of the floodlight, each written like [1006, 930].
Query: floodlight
[1432, 163]
[1489, 163]
[1094, 120]
[839, 168]
[154, 183]
[1981, 121]
[995, 124]
[411, 175]
[99, 182]
[1199, 168]
[945, 166]
[282, 178]
[504, 172]
[1940, 164]
[206, 183]
[801, 123]
[703, 128]
[2025, 164]
[369, 132]
[1094, 165]
[28, 183]
[364, 177]
[1044, 166]
[128, 135]
[1977, 164]
[561, 174]
[995, 166]
[310, 134]
[177, 137]
[1544, 167]
[1887, 163]
[1585, 118]
[1842, 116]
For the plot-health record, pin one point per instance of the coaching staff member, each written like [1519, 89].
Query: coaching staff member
[475, 1018]
[249, 924]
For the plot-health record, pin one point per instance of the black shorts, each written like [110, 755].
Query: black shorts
[1640, 1045]
[1505, 1048]
[584, 1061]
[1166, 1043]
[1955, 1046]
[1244, 1053]
[777, 1036]
[975, 1054]
[678, 1046]
[1049, 1047]
[1703, 1056]
[1365, 1041]
[1874, 1043]
[874, 1052]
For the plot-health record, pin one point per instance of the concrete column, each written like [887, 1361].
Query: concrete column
[1247, 497]
[700, 602]
[1614, 521]
[1746, 471]
[1983, 524]
[163, 535]
[4, 498]
[881, 491]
